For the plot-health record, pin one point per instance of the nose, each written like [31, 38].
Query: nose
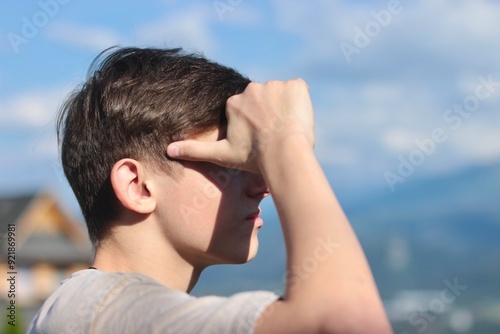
[256, 186]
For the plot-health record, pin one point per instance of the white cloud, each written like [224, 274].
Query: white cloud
[397, 88]
[241, 15]
[187, 27]
[32, 109]
[4, 44]
[337, 154]
[446, 31]
[88, 37]
[468, 19]
[478, 139]
[368, 112]
[399, 139]
[28, 142]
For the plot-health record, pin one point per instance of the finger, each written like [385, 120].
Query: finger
[303, 82]
[195, 150]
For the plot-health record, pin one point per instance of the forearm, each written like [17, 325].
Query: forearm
[325, 263]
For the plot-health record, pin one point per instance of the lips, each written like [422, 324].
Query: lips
[254, 219]
[254, 215]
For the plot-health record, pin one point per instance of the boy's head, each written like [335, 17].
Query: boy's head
[132, 105]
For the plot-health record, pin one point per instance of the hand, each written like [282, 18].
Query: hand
[264, 116]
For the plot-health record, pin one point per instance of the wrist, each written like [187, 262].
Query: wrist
[284, 152]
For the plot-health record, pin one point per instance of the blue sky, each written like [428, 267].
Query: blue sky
[387, 78]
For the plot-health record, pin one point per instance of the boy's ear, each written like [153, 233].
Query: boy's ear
[131, 186]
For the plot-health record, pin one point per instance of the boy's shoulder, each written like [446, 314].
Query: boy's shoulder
[95, 301]
[79, 299]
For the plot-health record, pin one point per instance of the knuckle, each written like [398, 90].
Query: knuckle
[253, 87]
[299, 83]
[232, 99]
[253, 84]
[274, 83]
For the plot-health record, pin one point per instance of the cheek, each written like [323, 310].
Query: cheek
[205, 196]
[210, 191]
[198, 202]
[202, 199]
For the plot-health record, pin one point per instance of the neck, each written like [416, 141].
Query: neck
[130, 249]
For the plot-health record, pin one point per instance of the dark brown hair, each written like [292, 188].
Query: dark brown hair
[133, 104]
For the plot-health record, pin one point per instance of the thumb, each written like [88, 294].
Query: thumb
[195, 150]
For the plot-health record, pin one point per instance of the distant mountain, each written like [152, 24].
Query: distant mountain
[437, 229]
[425, 232]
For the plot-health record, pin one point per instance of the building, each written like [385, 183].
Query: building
[40, 245]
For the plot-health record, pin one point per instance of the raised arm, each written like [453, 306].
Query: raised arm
[329, 287]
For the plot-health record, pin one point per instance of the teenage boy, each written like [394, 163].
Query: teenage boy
[158, 216]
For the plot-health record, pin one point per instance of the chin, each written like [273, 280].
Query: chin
[243, 259]
[237, 252]
[244, 256]
[252, 252]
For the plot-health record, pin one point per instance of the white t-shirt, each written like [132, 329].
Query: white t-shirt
[92, 301]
